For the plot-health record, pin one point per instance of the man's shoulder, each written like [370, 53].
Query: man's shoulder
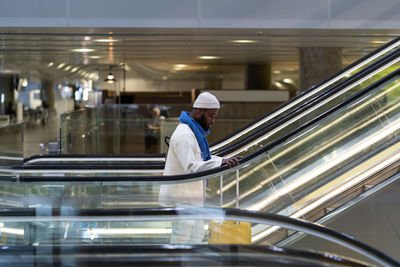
[182, 129]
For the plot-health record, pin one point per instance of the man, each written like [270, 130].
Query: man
[152, 131]
[188, 153]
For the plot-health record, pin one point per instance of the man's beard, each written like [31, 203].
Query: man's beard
[203, 122]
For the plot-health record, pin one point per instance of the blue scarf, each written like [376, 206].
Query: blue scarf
[199, 132]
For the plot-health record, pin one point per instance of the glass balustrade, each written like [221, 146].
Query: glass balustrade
[324, 156]
[316, 110]
[11, 144]
[50, 232]
[118, 130]
[302, 99]
[85, 131]
[128, 129]
[338, 150]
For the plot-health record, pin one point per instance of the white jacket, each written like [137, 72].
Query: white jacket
[184, 156]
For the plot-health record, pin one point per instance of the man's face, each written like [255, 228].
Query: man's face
[207, 118]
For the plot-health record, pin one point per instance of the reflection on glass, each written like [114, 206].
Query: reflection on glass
[121, 130]
[11, 144]
[283, 180]
[138, 228]
[124, 129]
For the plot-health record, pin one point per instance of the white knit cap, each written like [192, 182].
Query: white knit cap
[207, 101]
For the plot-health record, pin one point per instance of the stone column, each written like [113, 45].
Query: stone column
[258, 76]
[318, 63]
[48, 87]
[6, 93]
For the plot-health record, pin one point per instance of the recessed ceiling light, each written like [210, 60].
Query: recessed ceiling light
[24, 82]
[106, 40]
[67, 67]
[83, 50]
[95, 57]
[244, 41]
[179, 66]
[50, 64]
[209, 57]
[61, 65]
[379, 42]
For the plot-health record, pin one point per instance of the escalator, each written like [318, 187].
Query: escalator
[120, 165]
[71, 237]
[276, 123]
[308, 173]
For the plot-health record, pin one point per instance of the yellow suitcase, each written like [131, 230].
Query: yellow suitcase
[229, 232]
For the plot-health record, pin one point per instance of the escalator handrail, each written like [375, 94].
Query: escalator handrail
[223, 169]
[93, 165]
[157, 214]
[261, 255]
[116, 157]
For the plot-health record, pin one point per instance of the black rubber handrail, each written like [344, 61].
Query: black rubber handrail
[110, 255]
[225, 151]
[93, 156]
[93, 165]
[247, 158]
[107, 254]
[156, 214]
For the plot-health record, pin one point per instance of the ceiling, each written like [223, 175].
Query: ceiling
[154, 52]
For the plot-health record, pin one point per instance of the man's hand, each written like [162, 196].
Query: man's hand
[231, 162]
